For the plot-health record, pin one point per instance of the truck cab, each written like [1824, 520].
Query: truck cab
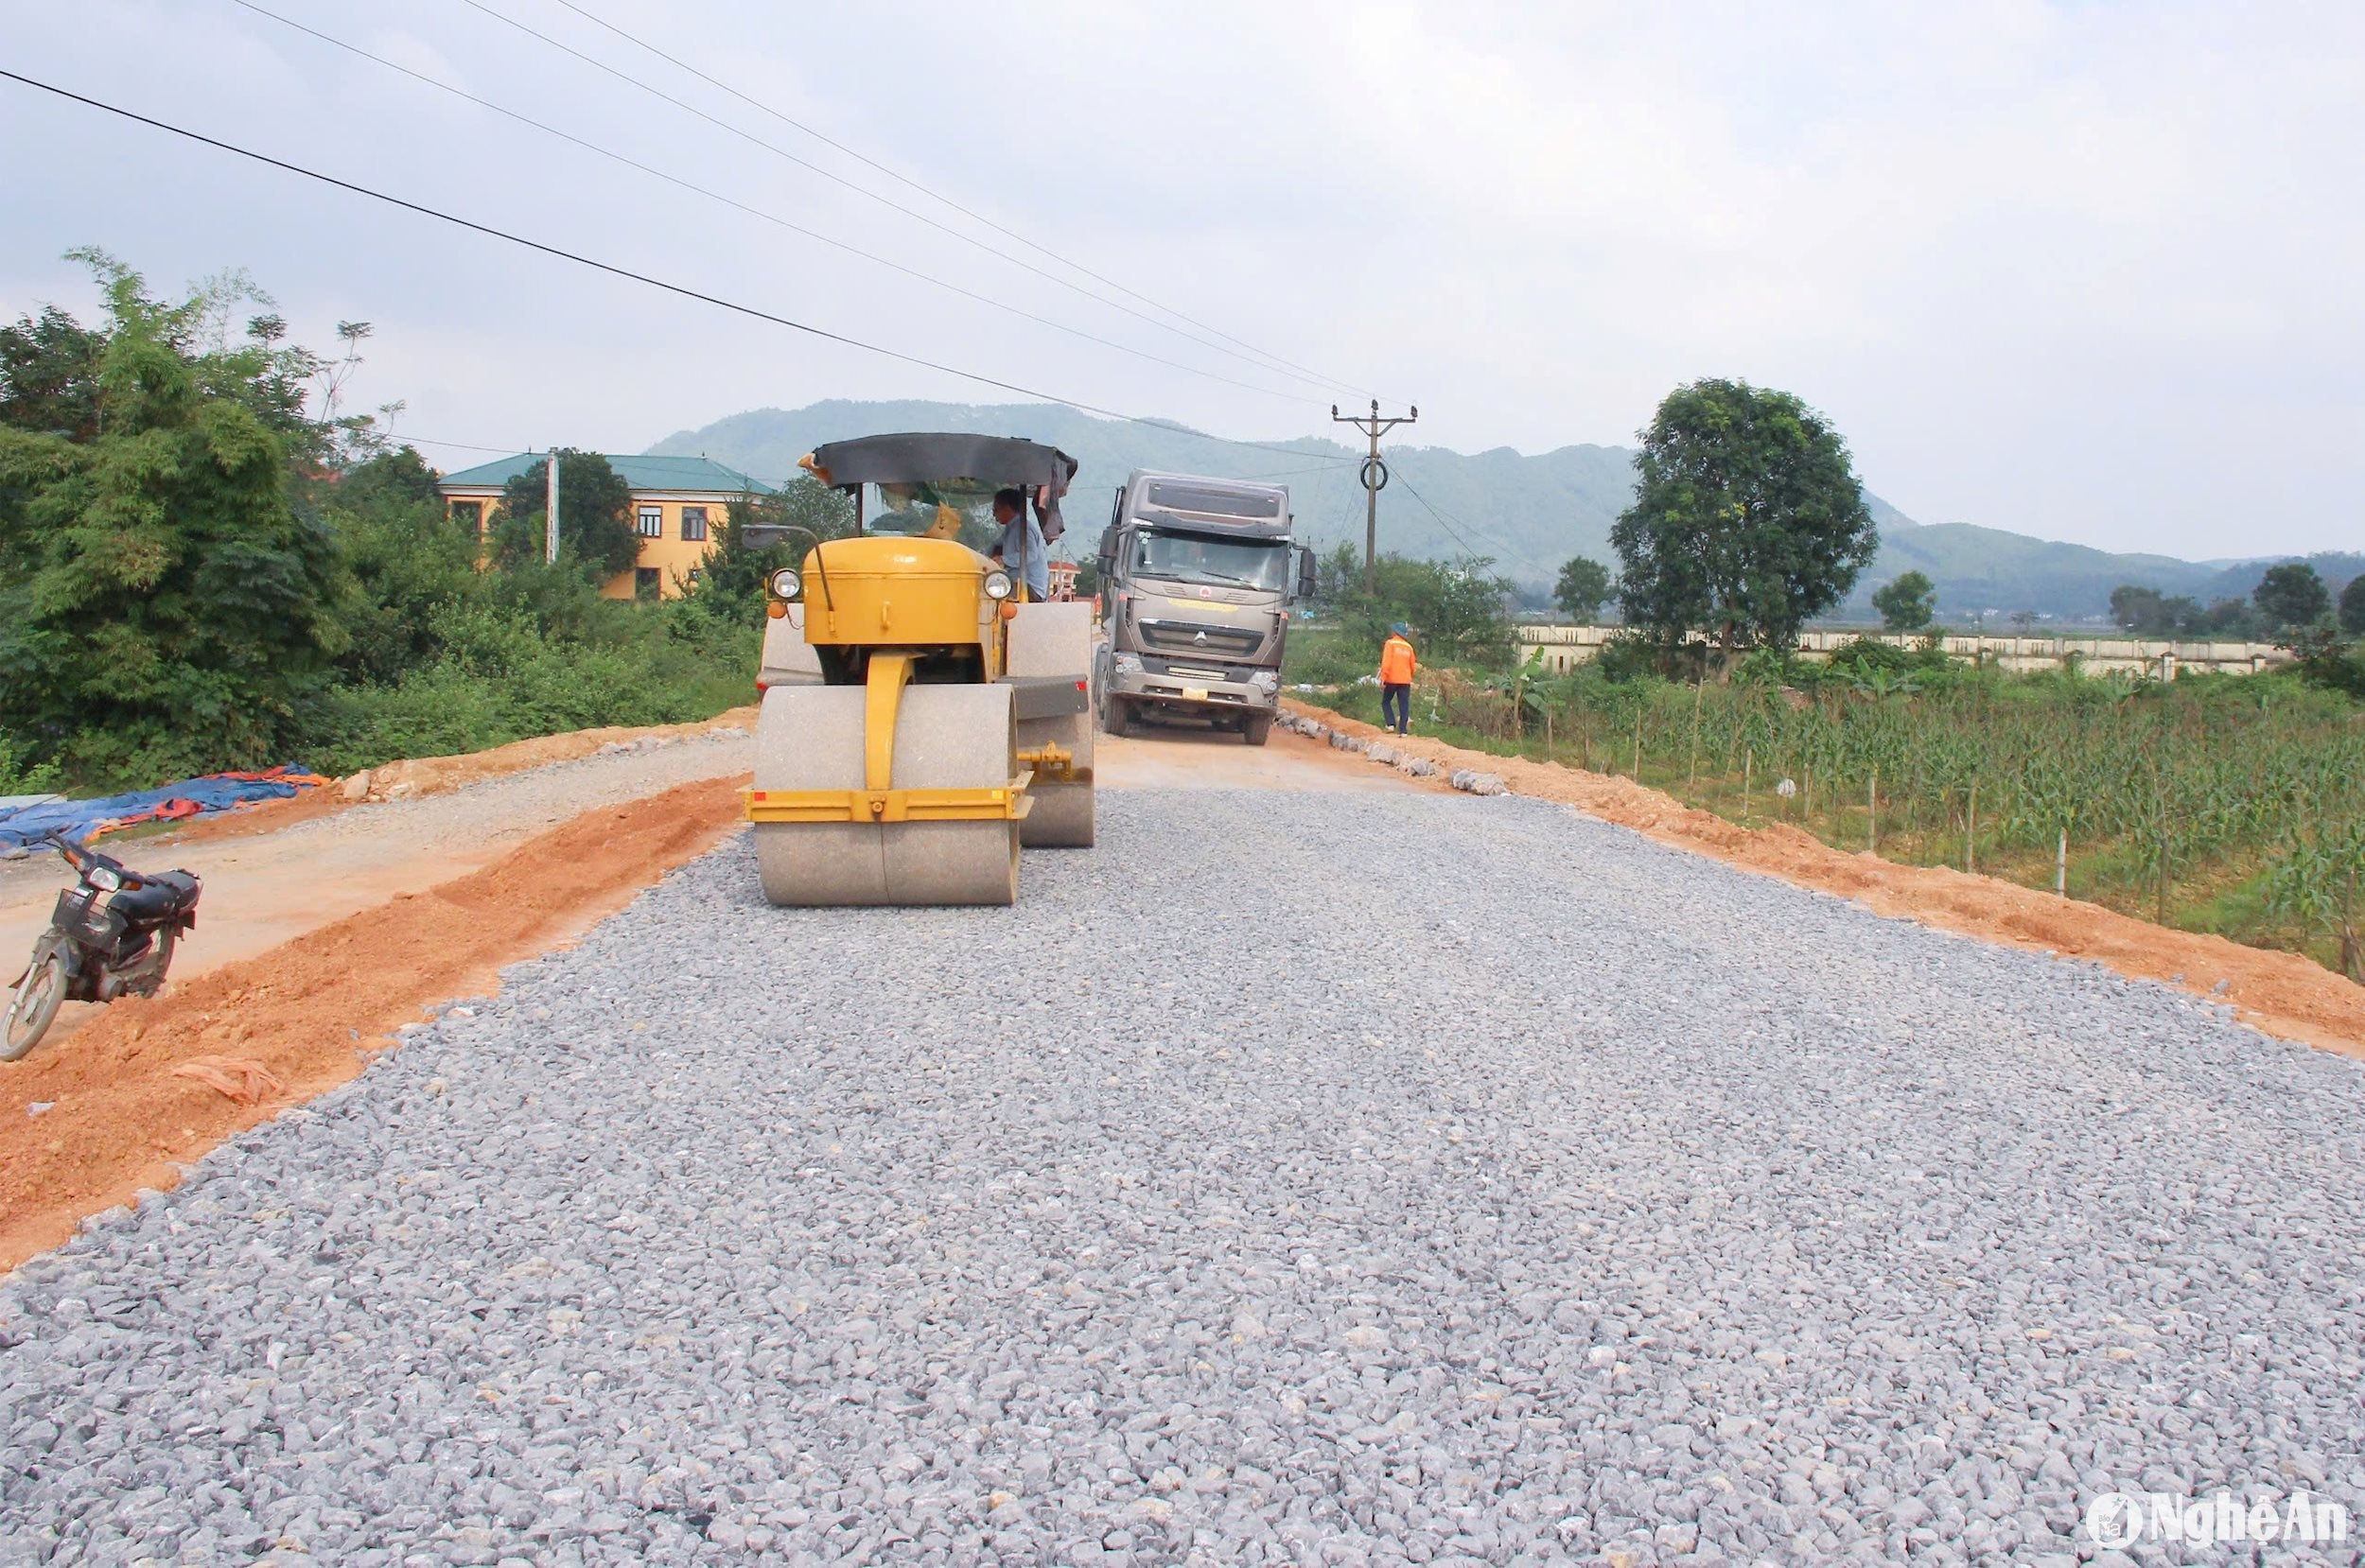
[1196, 575]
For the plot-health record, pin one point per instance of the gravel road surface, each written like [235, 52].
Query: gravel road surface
[1295, 1179]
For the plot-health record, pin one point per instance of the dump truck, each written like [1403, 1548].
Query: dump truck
[920, 721]
[1197, 578]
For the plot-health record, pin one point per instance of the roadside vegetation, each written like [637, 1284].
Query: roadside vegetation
[2233, 804]
[2220, 803]
[206, 562]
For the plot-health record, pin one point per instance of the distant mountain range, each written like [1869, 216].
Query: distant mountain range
[1530, 514]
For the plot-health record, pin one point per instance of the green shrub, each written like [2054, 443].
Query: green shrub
[20, 775]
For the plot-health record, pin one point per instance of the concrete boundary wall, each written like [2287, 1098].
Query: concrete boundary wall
[1563, 647]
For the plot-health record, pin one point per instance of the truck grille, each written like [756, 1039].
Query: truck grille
[1179, 637]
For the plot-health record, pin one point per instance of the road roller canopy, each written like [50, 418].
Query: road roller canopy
[931, 483]
[964, 462]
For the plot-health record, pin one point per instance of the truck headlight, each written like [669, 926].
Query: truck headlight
[1126, 664]
[997, 585]
[786, 584]
[1266, 680]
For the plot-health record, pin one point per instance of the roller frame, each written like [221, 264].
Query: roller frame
[1009, 803]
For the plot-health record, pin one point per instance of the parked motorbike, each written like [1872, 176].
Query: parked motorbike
[111, 935]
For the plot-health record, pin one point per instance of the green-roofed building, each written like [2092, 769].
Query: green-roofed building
[679, 505]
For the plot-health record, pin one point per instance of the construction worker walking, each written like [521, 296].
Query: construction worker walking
[1395, 681]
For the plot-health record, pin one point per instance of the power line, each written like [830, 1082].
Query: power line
[869, 195]
[1446, 523]
[614, 270]
[937, 195]
[463, 445]
[757, 212]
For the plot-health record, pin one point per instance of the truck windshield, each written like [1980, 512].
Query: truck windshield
[1197, 557]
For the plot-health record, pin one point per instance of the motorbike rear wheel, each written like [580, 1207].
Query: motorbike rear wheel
[35, 1004]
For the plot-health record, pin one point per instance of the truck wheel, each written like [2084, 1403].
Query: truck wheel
[1256, 730]
[1115, 718]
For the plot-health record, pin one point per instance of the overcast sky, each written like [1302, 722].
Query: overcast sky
[2089, 271]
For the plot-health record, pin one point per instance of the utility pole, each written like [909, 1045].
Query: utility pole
[1374, 480]
[549, 515]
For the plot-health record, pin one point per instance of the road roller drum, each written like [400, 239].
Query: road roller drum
[952, 738]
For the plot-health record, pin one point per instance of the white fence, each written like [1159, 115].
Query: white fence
[1562, 648]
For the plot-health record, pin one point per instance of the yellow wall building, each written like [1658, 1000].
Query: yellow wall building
[679, 506]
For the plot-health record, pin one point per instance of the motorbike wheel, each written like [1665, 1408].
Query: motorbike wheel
[35, 1004]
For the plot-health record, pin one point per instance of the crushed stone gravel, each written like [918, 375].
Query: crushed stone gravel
[1294, 1178]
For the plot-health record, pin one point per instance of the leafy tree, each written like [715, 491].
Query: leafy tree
[2229, 619]
[2292, 595]
[1907, 604]
[409, 564]
[1337, 576]
[49, 376]
[2147, 613]
[1580, 589]
[161, 605]
[1748, 518]
[2353, 605]
[2136, 609]
[1455, 609]
[735, 571]
[594, 514]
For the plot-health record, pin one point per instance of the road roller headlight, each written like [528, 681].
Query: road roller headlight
[786, 584]
[997, 585]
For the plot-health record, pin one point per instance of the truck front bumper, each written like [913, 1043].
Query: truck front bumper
[1198, 692]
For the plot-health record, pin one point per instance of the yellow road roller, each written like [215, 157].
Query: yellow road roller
[921, 719]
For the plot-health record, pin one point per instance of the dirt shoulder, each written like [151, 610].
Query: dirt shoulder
[418, 777]
[274, 874]
[2278, 992]
[308, 1014]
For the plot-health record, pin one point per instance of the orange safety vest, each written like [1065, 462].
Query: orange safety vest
[1395, 663]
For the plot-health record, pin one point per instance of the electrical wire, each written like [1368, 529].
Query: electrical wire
[1442, 521]
[869, 195]
[757, 212]
[968, 213]
[463, 445]
[614, 270]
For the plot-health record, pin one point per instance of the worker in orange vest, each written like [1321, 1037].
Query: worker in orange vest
[1395, 681]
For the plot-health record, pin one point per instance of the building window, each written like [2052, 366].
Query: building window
[470, 516]
[653, 522]
[647, 582]
[693, 523]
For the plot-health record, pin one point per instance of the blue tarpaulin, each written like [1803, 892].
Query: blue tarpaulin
[84, 819]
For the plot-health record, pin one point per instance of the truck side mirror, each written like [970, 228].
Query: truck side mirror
[1305, 573]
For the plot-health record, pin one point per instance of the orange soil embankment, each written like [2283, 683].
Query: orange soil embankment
[2282, 993]
[433, 776]
[311, 1013]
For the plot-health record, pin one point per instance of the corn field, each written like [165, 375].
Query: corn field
[2227, 804]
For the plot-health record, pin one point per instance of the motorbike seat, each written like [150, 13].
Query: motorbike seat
[160, 895]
